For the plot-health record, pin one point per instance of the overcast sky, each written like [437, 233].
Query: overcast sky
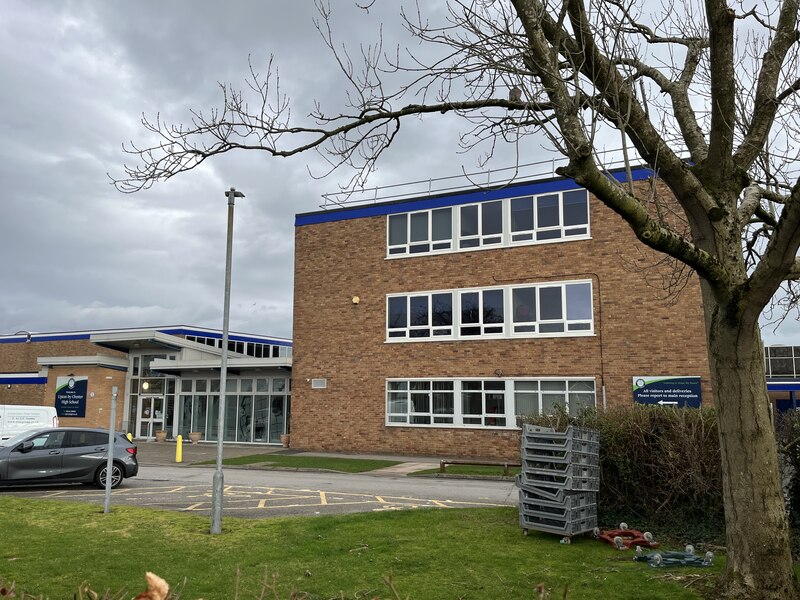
[77, 76]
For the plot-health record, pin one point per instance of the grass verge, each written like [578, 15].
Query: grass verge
[344, 465]
[49, 548]
[470, 470]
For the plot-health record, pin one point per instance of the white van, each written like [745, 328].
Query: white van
[15, 418]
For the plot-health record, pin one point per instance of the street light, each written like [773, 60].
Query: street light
[216, 493]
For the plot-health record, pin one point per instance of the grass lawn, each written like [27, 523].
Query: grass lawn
[344, 465]
[470, 470]
[49, 548]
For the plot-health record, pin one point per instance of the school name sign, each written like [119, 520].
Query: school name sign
[71, 396]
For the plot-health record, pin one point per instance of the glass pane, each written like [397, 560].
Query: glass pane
[442, 309]
[522, 214]
[398, 385]
[246, 385]
[472, 403]
[279, 384]
[397, 229]
[577, 402]
[244, 431]
[469, 220]
[419, 227]
[277, 420]
[443, 386]
[550, 303]
[551, 401]
[201, 385]
[576, 207]
[185, 418]
[442, 224]
[231, 418]
[443, 403]
[579, 301]
[471, 385]
[419, 385]
[419, 310]
[420, 403]
[199, 408]
[581, 386]
[493, 306]
[260, 418]
[262, 385]
[547, 211]
[554, 386]
[397, 312]
[492, 218]
[186, 385]
[526, 403]
[470, 310]
[524, 301]
[398, 403]
[494, 385]
[526, 386]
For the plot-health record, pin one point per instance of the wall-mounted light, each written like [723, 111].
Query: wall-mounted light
[498, 372]
[8, 386]
[356, 299]
[146, 386]
[27, 335]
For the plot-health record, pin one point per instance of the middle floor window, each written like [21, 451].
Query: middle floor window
[533, 310]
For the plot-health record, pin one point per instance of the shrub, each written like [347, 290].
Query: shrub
[659, 466]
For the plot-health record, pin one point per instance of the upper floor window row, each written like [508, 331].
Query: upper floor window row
[508, 222]
[547, 309]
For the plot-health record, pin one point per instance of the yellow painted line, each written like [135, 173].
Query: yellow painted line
[439, 504]
[323, 498]
[262, 504]
[380, 499]
[194, 506]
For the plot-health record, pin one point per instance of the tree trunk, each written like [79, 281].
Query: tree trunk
[759, 562]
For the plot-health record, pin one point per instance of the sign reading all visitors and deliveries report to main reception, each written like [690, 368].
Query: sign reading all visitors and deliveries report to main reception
[667, 391]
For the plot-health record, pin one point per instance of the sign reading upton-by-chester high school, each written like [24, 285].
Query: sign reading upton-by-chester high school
[682, 392]
[71, 396]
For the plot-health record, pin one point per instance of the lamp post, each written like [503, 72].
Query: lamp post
[216, 493]
[110, 460]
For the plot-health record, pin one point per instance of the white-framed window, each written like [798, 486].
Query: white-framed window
[542, 218]
[481, 224]
[482, 312]
[482, 403]
[533, 310]
[418, 316]
[420, 232]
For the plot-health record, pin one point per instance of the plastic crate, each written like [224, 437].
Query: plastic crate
[561, 456]
[557, 526]
[562, 513]
[563, 500]
[538, 468]
[556, 447]
[528, 480]
[571, 432]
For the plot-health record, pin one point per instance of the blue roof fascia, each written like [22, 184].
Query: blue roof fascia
[783, 386]
[20, 379]
[46, 338]
[424, 203]
[231, 336]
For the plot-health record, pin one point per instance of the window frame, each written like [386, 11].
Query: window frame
[482, 240]
[507, 329]
[507, 419]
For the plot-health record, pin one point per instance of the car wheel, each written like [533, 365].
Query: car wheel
[116, 476]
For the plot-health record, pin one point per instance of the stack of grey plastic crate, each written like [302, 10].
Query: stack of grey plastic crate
[560, 479]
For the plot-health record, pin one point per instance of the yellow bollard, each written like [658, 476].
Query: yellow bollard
[179, 449]
[129, 435]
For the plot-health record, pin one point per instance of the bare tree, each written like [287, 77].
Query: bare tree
[704, 93]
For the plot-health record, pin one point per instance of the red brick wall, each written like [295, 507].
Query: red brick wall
[636, 332]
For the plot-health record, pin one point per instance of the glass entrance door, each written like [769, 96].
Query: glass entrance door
[149, 416]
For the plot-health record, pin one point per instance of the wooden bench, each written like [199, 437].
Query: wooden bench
[480, 463]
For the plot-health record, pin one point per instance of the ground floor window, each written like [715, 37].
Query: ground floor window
[482, 402]
[256, 409]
